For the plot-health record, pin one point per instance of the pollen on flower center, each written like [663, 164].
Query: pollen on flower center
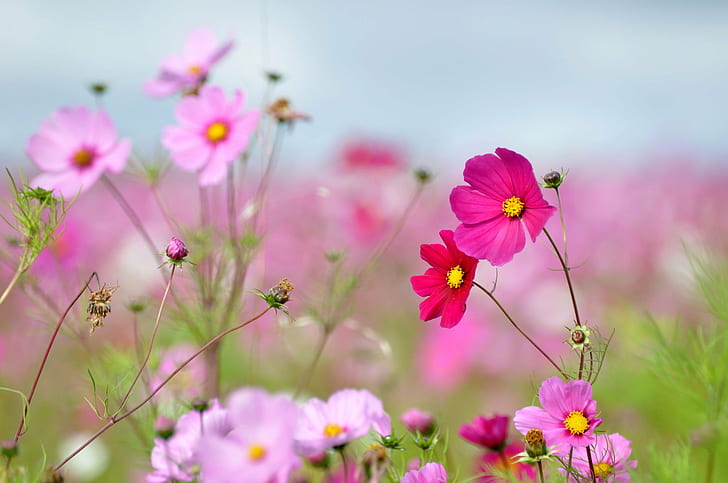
[83, 158]
[217, 132]
[332, 430]
[576, 422]
[602, 470]
[194, 69]
[256, 452]
[513, 207]
[455, 277]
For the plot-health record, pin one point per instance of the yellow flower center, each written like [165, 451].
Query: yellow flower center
[256, 452]
[332, 430]
[217, 132]
[455, 277]
[602, 470]
[513, 207]
[83, 158]
[194, 69]
[576, 422]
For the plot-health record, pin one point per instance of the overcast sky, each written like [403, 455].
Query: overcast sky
[587, 82]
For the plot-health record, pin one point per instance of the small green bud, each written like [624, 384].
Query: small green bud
[553, 179]
[422, 175]
[535, 443]
[9, 448]
[98, 88]
[200, 405]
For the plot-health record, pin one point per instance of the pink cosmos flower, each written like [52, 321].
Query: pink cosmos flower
[211, 134]
[349, 414]
[416, 420]
[610, 456]
[492, 462]
[259, 449]
[175, 459]
[503, 196]
[185, 385]
[187, 71]
[490, 433]
[568, 418]
[430, 473]
[447, 284]
[74, 147]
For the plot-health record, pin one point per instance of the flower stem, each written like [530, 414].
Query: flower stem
[306, 379]
[563, 224]
[47, 352]
[151, 341]
[13, 281]
[565, 269]
[540, 472]
[514, 324]
[591, 464]
[114, 420]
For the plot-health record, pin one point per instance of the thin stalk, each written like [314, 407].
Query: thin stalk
[306, 379]
[151, 341]
[709, 464]
[47, 352]
[514, 324]
[540, 472]
[563, 224]
[114, 420]
[565, 269]
[345, 464]
[13, 281]
[591, 464]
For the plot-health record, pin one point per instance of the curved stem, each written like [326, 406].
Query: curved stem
[151, 340]
[118, 419]
[514, 324]
[591, 464]
[47, 352]
[565, 269]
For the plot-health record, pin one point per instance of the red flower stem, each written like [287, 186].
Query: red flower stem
[118, 419]
[20, 431]
[514, 324]
[563, 224]
[591, 464]
[151, 341]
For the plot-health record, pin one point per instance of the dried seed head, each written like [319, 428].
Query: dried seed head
[281, 292]
[99, 306]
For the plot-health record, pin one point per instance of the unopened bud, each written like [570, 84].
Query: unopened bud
[200, 405]
[418, 421]
[9, 448]
[164, 427]
[422, 175]
[98, 88]
[320, 460]
[535, 443]
[176, 250]
[273, 76]
[553, 179]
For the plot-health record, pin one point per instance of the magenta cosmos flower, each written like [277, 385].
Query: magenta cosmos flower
[349, 414]
[447, 284]
[212, 133]
[503, 196]
[568, 417]
[259, 448]
[429, 473]
[610, 455]
[74, 147]
[490, 433]
[187, 71]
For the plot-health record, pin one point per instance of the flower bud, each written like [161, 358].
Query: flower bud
[176, 250]
[200, 405]
[164, 427]
[418, 421]
[553, 179]
[490, 433]
[535, 443]
[322, 459]
[9, 448]
[422, 175]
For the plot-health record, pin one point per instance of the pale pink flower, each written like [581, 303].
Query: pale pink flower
[212, 132]
[187, 71]
[430, 473]
[74, 147]
[610, 455]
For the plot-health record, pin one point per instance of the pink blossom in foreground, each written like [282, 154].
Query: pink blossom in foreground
[185, 72]
[175, 459]
[187, 383]
[503, 196]
[430, 473]
[490, 433]
[492, 463]
[610, 455]
[568, 418]
[259, 448]
[349, 414]
[212, 132]
[447, 284]
[73, 148]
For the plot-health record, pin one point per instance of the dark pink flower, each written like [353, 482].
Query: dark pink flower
[610, 455]
[568, 418]
[176, 249]
[187, 71]
[503, 196]
[447, 284]
[490, 433]
[492, 462]
[74, 147]
[212, 133]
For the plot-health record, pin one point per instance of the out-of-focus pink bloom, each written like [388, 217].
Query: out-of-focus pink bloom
[430, 473]
[347, 415]
[610, 455]
[259, 448]
[74, 147]
[211, 133]
[492, 461]
[175, 458]
[568, 418]
[503, 196]
[416, 420]
[490, 433]
[187, 383]
[447, 284]
[176, 249]
[187, 71]
[366, 154]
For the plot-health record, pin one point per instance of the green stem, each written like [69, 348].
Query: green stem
[540, 472]
[12, 283]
